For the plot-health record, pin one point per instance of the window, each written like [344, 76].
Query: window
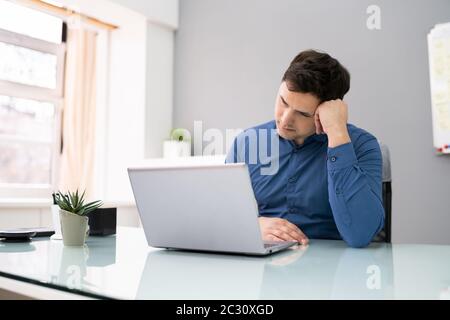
[31, 97]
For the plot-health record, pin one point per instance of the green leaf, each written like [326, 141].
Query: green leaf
[74, 202]
[66, 200]
[75, 199]
[92, 206]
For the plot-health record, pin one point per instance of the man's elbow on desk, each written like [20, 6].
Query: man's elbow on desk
[357, 242]
[361, 237]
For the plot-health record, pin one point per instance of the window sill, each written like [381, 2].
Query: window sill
[25, 203]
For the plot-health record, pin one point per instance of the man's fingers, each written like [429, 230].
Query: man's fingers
[281, 230]
[320, 127]
[318, 124]
[271, 237]
[301, 237]
[282, 235]
[295, 234]
[292, 226]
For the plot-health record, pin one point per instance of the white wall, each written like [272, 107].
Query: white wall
[164, 12]
[126, 107]
[162, 22]
[160, 59]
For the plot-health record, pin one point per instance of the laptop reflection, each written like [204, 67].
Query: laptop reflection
[172, 274]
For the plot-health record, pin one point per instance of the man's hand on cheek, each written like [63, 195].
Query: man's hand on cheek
[277, 229]
[331, 118]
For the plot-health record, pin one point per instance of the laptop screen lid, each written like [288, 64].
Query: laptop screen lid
[198, 207]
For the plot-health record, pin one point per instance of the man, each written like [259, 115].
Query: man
[328, 182]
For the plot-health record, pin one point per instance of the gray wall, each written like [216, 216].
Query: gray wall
[230, 56]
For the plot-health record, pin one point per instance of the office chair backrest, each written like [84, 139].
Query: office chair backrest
[385, 233]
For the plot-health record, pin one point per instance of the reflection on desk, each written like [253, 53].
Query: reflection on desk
[60, 265]
[320, 271]
[345, 273]
[124, 267]
[187, 275]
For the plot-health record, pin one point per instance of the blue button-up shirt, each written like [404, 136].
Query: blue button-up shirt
[332, 193]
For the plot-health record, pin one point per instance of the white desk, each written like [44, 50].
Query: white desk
[124, 267]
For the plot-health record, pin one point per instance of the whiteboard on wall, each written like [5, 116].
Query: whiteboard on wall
[439, 63]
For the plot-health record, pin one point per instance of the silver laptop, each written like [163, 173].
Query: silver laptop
[200, 207]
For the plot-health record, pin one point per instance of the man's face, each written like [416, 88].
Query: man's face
[294, 114]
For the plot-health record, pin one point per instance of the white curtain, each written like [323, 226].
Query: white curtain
[78, 128]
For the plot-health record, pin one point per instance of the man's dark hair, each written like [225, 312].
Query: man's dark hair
[319, 74]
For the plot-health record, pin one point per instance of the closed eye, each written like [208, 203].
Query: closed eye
[304, 114]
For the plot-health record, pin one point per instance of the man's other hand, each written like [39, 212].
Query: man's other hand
[278, 229]
[331, 118]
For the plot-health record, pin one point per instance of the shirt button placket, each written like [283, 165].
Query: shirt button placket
[292, 181]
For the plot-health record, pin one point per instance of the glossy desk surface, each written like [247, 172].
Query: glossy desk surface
[124, 267]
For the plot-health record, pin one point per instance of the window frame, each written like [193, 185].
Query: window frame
[53, 96]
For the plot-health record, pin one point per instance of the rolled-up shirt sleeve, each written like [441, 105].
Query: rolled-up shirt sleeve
[354, 189]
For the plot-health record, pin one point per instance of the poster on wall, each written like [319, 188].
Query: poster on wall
[439, 62]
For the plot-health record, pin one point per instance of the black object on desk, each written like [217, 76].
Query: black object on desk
[16, 235]
[24, 234]
[102, 222]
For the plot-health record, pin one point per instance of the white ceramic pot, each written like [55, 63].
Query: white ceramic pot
[74, 228]
[176, 149]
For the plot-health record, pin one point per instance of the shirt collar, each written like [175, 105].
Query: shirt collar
[321, 138]
[312, 138]
[318, 137]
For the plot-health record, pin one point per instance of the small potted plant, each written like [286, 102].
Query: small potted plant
[73, 216]
[179, 144]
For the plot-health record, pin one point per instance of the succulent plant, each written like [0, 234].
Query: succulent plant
[74, 202]
[180, 134]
